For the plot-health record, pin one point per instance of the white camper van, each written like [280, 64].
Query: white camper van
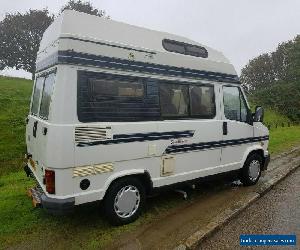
[118, 111]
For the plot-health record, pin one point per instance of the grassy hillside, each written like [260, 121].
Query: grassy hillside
[14, 104]
[86, 228]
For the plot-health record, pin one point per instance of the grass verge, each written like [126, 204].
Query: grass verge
[284, 138]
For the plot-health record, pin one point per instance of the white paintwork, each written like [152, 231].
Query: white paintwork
[98, 29]
[57, 150]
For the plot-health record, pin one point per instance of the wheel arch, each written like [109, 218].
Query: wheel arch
[253, 150]
[142, 175]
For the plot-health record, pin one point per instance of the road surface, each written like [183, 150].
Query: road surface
[278, 212]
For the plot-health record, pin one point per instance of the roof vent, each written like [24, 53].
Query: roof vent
[184, 48]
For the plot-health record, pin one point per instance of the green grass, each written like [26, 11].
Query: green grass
[14, 102]
[87, 227]
[284, 138]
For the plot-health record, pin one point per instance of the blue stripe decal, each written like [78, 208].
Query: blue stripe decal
[214, 144]
[140, 137]
[77, 58]
[72, 57]
[174, 134]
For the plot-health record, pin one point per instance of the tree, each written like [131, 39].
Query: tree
[83, 6]
[273, 79]
[293, 69]
[281, 60]
[267, 69]
[283, 97]
[258, 73]
[20, 36]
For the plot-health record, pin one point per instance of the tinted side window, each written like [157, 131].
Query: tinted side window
[36, 95]
[115, 98]
[46, 96]
[234, 104]
[202, 100]
[174, 100]
[105, 87]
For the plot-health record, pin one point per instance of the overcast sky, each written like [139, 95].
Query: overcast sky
[241, 29]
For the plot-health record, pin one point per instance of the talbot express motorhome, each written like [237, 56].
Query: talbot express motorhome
[118, 111]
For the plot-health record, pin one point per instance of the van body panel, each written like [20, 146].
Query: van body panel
[236, 130]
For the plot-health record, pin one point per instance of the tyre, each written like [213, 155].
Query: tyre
[251, 170]
[124, 201]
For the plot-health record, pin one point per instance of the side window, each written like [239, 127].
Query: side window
[202, 100]
[36, 95]
[235, 107]
[46, 96]
[111, 88]
[105, 97]
[174, 100]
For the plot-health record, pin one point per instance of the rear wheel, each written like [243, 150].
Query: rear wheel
[124, 201]
[252, 170]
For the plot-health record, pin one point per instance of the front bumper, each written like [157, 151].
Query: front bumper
[51, 205]
[266, 161]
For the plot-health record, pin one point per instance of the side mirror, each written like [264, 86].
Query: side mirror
[259, 114]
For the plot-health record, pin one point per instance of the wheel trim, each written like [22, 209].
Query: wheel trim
[127, 201]
[254, 170]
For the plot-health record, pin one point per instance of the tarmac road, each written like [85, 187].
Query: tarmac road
[277, 212]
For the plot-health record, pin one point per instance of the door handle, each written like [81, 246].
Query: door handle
[225, 128]
[34, 129]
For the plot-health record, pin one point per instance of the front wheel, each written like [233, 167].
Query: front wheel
[124, 201]
[252, 170]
